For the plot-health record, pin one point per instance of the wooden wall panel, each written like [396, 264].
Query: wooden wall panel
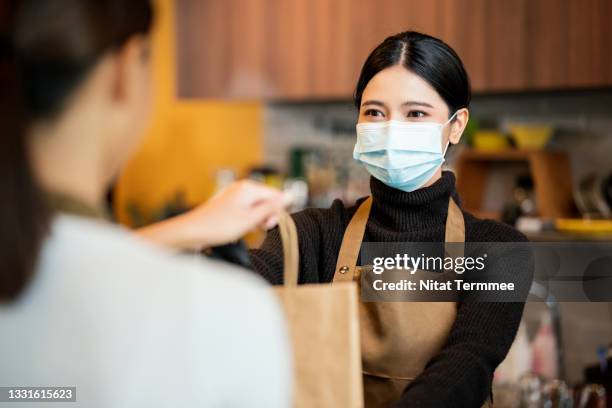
[203, 47]
[463, 24]
[589, 32]
[505, 39]
[314, 49]
[546, 44]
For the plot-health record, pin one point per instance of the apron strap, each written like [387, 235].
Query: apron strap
[455, 224]
[455, 231]
[291, 252]
[353, 237]
[351, 243]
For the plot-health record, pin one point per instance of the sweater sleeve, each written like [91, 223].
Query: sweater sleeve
[461, 374]
[267, 260]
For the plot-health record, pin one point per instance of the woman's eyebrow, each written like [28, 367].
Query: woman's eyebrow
[417, 103]
[373, 102]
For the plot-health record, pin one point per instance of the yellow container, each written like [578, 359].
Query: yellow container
[530, 137]
[489, 140]
[583, 226]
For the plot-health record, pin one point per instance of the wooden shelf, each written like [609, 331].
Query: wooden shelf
[557, 236]
[550, 171]
[502, 155]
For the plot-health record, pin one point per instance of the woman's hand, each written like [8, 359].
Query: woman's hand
[236, 210]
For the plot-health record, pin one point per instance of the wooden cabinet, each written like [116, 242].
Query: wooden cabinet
[285, 49]
[589, 43]
[314, 49]
[550, 172]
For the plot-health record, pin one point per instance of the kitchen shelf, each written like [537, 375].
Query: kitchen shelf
[502, 155]
[558, 236]
[550, 171]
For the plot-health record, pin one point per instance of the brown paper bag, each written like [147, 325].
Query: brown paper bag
[324, 326]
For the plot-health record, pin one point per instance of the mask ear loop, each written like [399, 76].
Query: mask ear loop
[451, 118]
[448, 143]
[444, 154]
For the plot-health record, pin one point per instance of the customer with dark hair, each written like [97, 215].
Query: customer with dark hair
[413, 96]
[82, 302]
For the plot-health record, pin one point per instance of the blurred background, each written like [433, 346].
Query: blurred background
[262, 89]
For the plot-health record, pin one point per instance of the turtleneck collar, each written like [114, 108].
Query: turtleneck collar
[68, 204]
[425, 208]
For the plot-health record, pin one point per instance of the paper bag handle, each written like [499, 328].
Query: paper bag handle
[291, 251]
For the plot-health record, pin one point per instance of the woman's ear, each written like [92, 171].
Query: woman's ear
[128, 61]
[458, 125]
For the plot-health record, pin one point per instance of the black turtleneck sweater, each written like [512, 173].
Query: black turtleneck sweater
[461, 374]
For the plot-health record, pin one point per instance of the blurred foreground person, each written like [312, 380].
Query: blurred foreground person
[83, 302]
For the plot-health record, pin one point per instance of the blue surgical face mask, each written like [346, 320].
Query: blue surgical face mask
[403, 155]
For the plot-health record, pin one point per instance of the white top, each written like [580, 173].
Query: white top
[132, 325]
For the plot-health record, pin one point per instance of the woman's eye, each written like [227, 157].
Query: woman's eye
[374, 113]
[416, 114]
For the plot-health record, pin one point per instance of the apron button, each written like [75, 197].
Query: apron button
[344, 269]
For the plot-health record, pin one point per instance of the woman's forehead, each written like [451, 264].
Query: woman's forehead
[396, 85]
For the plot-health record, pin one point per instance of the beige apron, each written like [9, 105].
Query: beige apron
[397, 338]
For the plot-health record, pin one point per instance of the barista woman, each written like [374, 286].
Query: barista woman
[413, 96]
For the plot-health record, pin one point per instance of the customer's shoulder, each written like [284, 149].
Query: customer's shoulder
[80, 244]
[184, 306]
[487, 230]
[107, 270]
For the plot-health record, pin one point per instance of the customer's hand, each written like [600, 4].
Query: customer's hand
[238, 209]
[241, 207]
